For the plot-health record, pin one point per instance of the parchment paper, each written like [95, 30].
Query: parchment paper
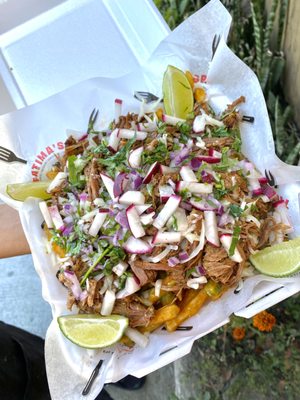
[36, 134]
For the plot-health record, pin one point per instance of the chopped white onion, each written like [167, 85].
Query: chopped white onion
[226, 240]
[157, 287]
[108, 302]
[130, 134]
[120, 268]
[57, 181]
[137, 337]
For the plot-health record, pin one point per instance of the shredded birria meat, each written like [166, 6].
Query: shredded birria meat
[156, 207]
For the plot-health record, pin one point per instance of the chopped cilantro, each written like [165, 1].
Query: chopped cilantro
[150, 188]
[226, 162]
[219, 190]
[185, 131]
[235, 210]
[160, 153]
[161, 128]
[185, 194]
[117, 161]
[174, 224]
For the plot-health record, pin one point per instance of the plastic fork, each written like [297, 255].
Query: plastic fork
[146, 97]
[215, 44]
[8, 156]
[92, 119]
[270, 178]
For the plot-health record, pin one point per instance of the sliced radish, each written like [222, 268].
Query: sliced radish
[147, 219]
[167, 170]
[108, 302]
[154, 168]
[211, 228]
[254, 185]
[56, 217]
[57, 181]
[118, 109]
[113, 141]
[120, 268]
[166, 237]
[203, 205]
[130, 134]
[169, 208]
[142, 208]
[269, 191]
[226, 240]
[165, 192]
[132, 197]
[137, 246]
[180, 219]
[98, 222]
[135, 157]
[109, 184]
[208, 159]
[120, 184]
[170, 120]
[214, 153]
[46, 214]
[134, 222]
[263, 180]
[187, 174]
[194, 187]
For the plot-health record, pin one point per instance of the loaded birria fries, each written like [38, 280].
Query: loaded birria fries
[157, 215]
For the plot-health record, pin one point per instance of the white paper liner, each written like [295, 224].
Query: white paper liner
[40, 128]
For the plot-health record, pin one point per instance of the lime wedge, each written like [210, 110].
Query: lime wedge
[20, 191]
[93, 331]
[177, 93]
[282, 259]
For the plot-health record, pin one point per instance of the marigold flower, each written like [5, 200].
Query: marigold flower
[238, 333]
[264, 321]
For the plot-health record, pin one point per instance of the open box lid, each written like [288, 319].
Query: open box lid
[64, 42]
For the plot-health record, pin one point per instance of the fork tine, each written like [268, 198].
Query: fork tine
[92, 115]
[4, 150]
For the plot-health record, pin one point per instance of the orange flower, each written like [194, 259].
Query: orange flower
[264, 321]
[238, 333]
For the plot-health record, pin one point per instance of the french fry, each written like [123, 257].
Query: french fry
[189, 294]
[160, 316]
[190, 309]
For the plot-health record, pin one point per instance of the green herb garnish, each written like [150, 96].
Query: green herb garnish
[160, 153]
[234, 241]
[235, 210]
